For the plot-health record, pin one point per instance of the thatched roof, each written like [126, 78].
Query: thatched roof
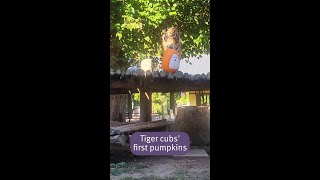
[157, 81]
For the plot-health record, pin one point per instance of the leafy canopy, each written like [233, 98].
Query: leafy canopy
[136, 28]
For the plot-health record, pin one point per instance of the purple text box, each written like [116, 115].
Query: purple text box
[159, 143]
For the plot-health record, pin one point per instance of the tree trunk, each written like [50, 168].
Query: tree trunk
[145, 106]
[118, 108]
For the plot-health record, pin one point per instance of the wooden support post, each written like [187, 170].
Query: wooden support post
[129, 96]
[172, 103]
[198, 100]
[145, 105]
[118, 108]
[164, 105]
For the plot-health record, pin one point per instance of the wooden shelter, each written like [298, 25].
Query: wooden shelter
[148, 82]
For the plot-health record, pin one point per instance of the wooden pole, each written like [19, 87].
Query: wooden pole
[145, 105]
[172, 103]
[198, 100]
[129, 96]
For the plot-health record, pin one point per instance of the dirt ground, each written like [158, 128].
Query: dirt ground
[156, 168]
[160, 168]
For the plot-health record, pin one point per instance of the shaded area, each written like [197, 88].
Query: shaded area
[119, 153]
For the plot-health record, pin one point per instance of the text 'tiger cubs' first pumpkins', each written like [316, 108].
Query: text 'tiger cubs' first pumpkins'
[170, 60]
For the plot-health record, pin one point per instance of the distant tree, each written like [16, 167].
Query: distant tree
[136, 26]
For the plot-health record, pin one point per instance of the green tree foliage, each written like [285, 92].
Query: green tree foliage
[182, 98]
[160, 101]
[136, 27]
[136, 99]
[157, 102]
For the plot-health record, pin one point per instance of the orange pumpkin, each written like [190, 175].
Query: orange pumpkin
[170, 60]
